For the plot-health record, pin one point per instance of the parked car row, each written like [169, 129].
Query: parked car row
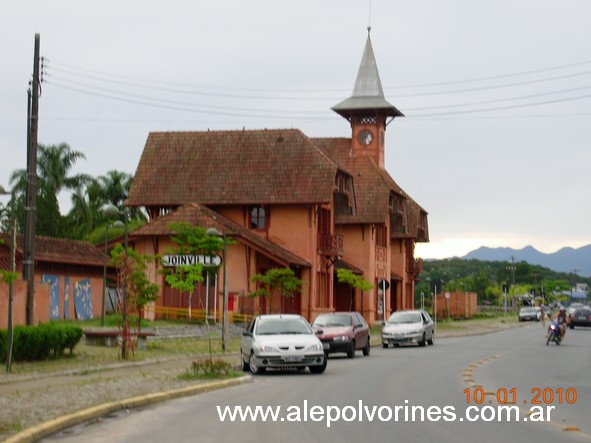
[288, 341]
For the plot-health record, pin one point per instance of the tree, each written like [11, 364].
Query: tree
[54, 164]
[135, 287]
[191, 240]
[355, 281]
[89, 199]
[282, 280]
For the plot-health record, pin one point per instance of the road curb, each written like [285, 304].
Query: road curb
[50, 427]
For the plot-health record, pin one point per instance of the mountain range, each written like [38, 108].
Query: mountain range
[569, 260]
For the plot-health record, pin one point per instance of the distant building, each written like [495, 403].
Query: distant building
[68, 280]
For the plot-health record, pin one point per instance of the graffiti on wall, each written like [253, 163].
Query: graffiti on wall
[67, 298]
[83, 300]
[54, 295]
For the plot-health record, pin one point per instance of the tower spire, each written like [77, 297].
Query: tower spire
[367, 110]
[367, 94]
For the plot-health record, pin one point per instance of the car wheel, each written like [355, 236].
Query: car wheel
[319, 369]
[432, 340]
[252, 364]
[367, 348]
[385, 345]
[351, 351]
[245, 365]
[422, 342]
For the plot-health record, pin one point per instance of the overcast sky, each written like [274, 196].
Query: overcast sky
[495, 144]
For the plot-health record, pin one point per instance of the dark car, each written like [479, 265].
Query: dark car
[580, 317]
[343, 332]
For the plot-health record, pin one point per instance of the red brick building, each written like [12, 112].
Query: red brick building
[290, 200]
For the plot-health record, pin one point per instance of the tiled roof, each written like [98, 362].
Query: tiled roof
[372, 186]
[199, 215]
[60, 250]
[231, 167]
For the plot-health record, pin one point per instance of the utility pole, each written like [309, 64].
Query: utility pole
[31, 193]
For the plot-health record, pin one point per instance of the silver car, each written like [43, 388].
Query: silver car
[408, 327]
[281, 341]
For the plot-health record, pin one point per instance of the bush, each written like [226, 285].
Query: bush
[34, 343]
[206, 368]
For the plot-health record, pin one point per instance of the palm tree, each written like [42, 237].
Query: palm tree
[54, 163]
[115, 187]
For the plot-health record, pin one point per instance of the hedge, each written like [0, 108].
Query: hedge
[33, 343]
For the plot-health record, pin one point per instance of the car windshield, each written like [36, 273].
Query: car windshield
[528, 310]
[404, 317]
[333, 320]
[277, 326]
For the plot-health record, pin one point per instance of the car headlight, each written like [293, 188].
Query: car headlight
[341, 338]
[315, 347]
[267, 348]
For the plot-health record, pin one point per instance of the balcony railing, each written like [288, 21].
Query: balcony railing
[330, 245]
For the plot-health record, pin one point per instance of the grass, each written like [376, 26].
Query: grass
[476, 321]
[88, 358]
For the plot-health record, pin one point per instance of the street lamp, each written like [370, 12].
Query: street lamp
[9, 328]
[108, 211]
[216, 233]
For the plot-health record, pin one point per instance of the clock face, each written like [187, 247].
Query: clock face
[365, 137]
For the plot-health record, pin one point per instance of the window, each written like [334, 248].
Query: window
[343, 194]
[397, 214]
[258, 218]
[381, 236]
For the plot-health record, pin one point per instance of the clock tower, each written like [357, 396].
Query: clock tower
[367, 110]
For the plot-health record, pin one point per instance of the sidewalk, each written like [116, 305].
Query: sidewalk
[42, 405]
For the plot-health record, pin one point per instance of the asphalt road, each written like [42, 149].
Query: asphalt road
[509, 366]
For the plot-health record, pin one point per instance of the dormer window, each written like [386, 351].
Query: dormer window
[397, 214]
[343, 195]
[258, 218]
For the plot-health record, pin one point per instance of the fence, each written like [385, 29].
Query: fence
[169, 313]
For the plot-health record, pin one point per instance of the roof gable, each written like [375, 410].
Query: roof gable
[373, 186]
[199, 215]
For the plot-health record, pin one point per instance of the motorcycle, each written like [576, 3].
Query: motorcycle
[553, 333]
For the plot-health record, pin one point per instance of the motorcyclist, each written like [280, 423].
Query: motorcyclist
[562, 319]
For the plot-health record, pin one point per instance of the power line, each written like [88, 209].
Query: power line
[250, 112]
[133, 81]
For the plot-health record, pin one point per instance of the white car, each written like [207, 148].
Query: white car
[282, 341]
[408, 327]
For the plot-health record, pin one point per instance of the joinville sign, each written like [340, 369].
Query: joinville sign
[190, 260]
